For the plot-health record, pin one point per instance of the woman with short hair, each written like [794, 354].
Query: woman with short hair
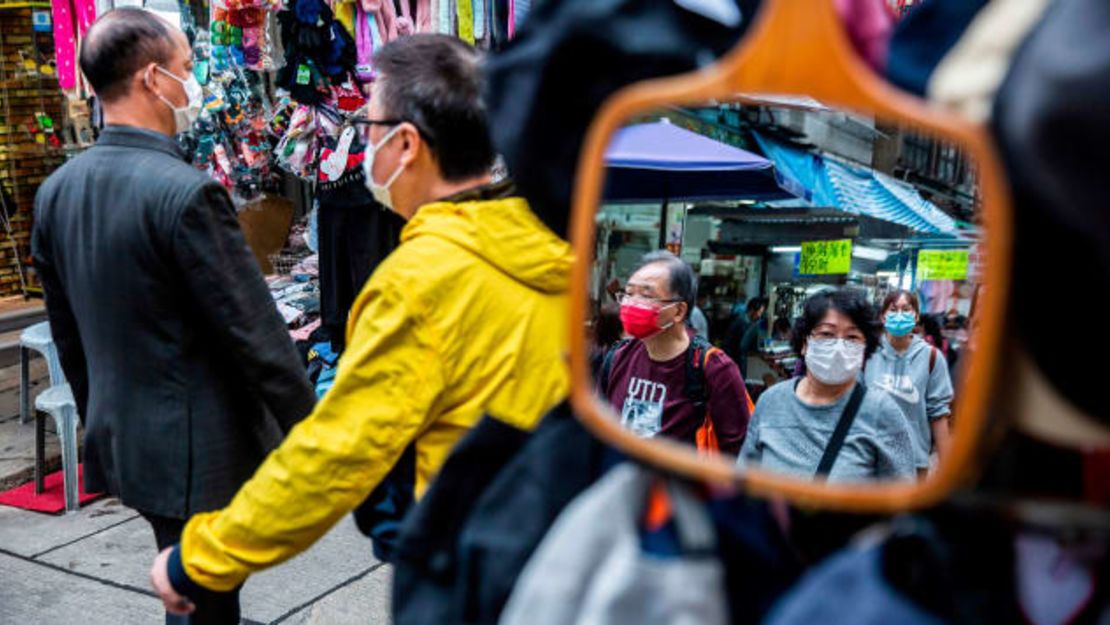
[794, 422]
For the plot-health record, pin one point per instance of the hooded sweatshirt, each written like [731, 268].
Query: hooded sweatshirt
[923, 395]
[466, 318]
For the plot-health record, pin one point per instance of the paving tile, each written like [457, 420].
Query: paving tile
[123, 555]
[30, 533]
[31, 594]
[363, 602]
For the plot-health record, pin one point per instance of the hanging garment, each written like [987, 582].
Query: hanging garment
[592, 567]
[356, 234]
[71, 19]
[424, 14]
[368, 40]
[924, 37]
[967, 79]
[459, 564]
[849, 589]
[869, 24]
[479, 20]
[953, 566]
[465, 20]
[605, 44]
[1054, 101]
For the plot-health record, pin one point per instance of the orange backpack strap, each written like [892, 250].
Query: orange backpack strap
[706, 436]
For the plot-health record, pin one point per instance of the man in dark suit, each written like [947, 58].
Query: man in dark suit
[180, 365]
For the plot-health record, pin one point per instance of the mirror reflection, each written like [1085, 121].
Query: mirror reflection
[787, 284]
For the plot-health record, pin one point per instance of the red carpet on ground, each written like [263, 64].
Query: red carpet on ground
[52, 500]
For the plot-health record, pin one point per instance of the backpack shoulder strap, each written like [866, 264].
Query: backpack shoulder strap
[607, 365]
[836, 441]
[932, 359]
[697, 356]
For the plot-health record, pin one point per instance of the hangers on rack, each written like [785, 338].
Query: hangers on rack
[796, 48]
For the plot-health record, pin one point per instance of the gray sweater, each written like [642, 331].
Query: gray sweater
[787, 435]
[923, 395]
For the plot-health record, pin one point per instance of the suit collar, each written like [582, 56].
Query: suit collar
[134, 137]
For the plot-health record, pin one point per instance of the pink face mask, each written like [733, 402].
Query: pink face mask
[641, 319]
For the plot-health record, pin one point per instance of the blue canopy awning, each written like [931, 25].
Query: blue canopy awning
[661, 161]
[823, 182]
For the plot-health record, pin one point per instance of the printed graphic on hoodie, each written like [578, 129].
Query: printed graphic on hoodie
[643, 407]
[900, 386]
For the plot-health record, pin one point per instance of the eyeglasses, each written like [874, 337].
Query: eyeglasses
[623, 297]
[825, 335]
[368, 123]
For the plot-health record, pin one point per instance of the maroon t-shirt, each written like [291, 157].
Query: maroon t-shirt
[651, 398]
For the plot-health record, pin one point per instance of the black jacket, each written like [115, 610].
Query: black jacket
[182, 369]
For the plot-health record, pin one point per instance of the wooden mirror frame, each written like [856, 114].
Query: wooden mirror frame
[797, 47]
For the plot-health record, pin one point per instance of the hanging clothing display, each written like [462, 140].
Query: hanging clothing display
[1043, 110]
[592, 566]
[924, 37]
[967, 78]
[71, 18]
[230, 140]
[240, 32]
[356, 234]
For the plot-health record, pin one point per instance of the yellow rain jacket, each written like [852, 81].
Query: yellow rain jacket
[465, 318]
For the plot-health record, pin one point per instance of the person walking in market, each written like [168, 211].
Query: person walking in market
[180, 365]
[743, 333]
[915, 374]
[794, 425]
[462, 320]
[667, 380]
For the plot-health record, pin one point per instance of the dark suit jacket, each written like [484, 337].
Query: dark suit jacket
[180, 364]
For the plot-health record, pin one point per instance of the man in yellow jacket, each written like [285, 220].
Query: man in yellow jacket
[466, 318]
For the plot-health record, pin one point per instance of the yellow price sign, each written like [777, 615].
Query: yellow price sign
[942, 265]
[825, 257]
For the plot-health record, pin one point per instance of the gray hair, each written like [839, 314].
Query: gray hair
[682, 281]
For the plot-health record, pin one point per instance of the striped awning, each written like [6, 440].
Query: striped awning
[826, 182]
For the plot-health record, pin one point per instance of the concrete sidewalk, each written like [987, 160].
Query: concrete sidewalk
[92, 566]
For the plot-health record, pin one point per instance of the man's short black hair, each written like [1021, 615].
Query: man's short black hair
[435, 83]
[756, 303]
[120, 43]
[851, 303]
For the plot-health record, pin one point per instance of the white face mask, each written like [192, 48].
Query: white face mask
[380, 191]
[834, 361]
[184, 116]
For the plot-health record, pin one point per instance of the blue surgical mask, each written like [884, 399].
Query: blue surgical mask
[900, 323]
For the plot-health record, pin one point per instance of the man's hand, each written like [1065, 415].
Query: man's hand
[160, 579]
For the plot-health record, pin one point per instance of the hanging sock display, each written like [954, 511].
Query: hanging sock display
[466, 21]
[479, 19]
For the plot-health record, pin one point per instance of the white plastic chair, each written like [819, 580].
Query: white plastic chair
[38, 338]
[57, 401]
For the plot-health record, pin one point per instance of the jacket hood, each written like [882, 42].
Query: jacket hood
[503, 232]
